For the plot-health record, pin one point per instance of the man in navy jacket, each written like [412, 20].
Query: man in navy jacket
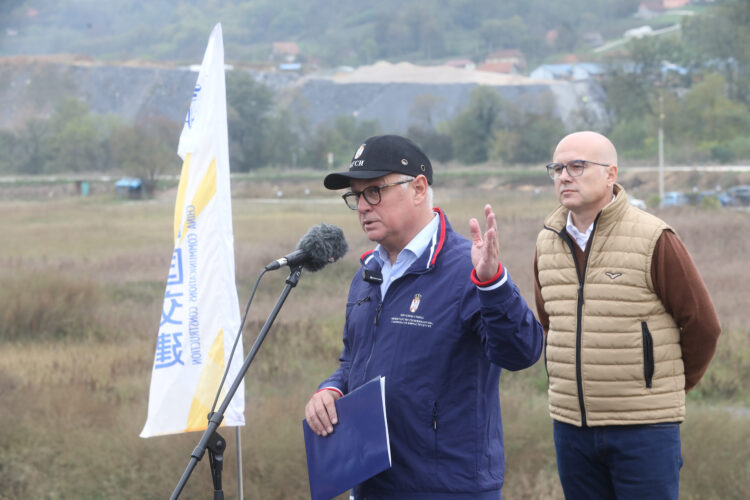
[438, 316]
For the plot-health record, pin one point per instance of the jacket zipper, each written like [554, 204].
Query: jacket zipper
[579, 311]
[362, 301]
[377, 313]
[435, 428]
[372, 340]
[377, 320]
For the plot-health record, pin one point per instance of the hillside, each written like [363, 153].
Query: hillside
[383, 92]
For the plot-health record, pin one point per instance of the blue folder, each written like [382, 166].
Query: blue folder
[357, 449]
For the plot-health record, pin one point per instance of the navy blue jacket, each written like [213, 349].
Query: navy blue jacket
[440, 341]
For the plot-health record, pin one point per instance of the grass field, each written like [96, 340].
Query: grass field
[81, 285]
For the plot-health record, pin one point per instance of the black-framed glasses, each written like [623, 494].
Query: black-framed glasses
[371, 194]
[574, 168]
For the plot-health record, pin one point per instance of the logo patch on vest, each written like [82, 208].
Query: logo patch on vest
[613, 275]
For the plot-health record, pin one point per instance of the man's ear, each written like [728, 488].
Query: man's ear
[420, 189]
[611, 175]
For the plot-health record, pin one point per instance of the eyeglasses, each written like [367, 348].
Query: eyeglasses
[574, 168]
[371, 194]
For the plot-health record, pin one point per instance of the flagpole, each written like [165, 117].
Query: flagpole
[238, 444]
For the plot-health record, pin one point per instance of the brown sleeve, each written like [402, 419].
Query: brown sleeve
[540, 312]
[685, 297]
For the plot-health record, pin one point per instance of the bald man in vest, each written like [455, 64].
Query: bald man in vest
[630, 329]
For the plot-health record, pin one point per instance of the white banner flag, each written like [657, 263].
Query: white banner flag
[200, 315]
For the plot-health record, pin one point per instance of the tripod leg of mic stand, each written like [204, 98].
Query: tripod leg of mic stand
[216, 446]
[215, 418]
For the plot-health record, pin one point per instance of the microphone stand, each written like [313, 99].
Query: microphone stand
[211, 439]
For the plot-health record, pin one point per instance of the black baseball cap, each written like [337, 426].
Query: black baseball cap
[382, 155]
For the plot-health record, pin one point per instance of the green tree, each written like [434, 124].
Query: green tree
[146, 149]
[436, 145]
[284, 135]
[473, 129]
[538, 137]
[78, 141]
[8, 161]
[340, 138]
[635, 84]
[630, 135]
[709, 115]
[431, 39]
[507, 33]
[628, 96]
[719, 40]
[531, 138]
[32, 150]
[368, 51]
[624, 8]
[249, 105]
[422, 110]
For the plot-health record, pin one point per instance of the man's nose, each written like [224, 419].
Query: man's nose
[565, 175]
[362, 205]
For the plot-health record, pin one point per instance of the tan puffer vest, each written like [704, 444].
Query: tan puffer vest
[612, 353]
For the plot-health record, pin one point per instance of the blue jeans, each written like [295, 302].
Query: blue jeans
[619, 461]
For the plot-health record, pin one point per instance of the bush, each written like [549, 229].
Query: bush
[437, 146]
[629, 135]
[740, 147]
[710, 203]
[722, 153]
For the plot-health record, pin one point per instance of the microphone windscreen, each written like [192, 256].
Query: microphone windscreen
[323, 244]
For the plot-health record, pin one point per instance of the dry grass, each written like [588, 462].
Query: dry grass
[82, 284]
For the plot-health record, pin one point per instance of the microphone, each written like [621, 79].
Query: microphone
[322, 245]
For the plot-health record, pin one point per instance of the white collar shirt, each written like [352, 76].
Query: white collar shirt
[407, 256]
[581, 238]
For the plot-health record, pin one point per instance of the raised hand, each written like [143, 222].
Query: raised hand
[485, 249]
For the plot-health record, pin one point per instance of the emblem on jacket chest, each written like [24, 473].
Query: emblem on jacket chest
[415, 302]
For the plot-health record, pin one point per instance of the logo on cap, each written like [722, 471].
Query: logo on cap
[359, 151]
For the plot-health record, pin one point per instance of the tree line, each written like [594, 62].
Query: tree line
[264, 131]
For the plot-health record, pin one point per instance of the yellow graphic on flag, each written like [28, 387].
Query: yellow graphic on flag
[209, 380]
[179, 205]
[205, 192]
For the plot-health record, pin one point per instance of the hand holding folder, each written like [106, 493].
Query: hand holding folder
[357, 449]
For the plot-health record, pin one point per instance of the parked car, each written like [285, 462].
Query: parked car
[736, 196]
[675, 199]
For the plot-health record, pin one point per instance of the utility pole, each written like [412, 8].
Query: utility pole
[662, 86]
[661, 146]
